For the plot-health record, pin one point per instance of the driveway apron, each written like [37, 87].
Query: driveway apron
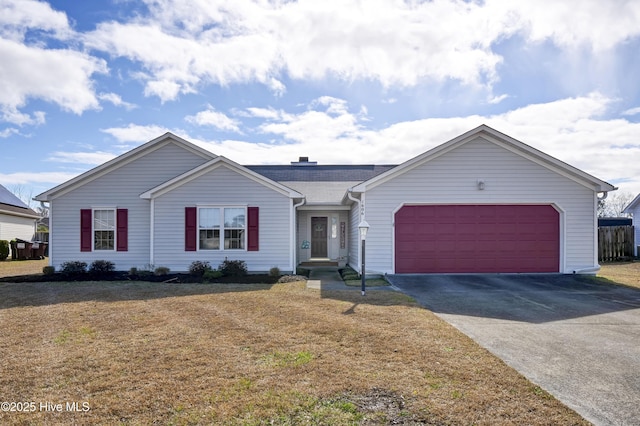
[576, 338]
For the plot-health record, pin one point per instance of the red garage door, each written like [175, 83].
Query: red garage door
[477, 238]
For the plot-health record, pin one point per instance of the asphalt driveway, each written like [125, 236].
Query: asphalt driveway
[574, 337]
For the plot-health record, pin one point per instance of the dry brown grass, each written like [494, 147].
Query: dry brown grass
[11, 268]
[142, 353]
[627, 273]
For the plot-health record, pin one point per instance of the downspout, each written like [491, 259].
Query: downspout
[50, 248]
[357, 201]
[152, 232]
[294, 235]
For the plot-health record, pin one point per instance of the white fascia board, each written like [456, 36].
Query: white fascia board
[25, 215]
[120, 161]
[415, 161]
[212, 165]
[502, 140]
[547, 161]
[323, 207]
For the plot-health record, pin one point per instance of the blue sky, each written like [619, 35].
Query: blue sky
[264, 82]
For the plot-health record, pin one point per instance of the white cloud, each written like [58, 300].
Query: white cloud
[16, 16]
[116, 100]
[211, 117]
[32, 178]
[269, 113]
[93, 158]
[497, 99]
[62, 77]
[32, 70]
[136, 133]
[182, 45]
[12, 115]
[9, 131]
[598, 25]
[571, 130]
[632, 111]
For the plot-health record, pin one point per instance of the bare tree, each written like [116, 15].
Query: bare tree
[614, 204]
[23, 193]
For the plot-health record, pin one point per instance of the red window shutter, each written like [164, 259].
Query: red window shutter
[253, 234]
[86, 217]
[190, 228]
[122, 227]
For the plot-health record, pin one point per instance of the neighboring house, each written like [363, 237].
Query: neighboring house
[482, 202]
[634, 210]
[17, 220]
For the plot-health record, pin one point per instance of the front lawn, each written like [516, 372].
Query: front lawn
[143, 353]
[627, 273]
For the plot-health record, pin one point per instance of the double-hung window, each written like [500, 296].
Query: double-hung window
[104, 229]
[222, 228]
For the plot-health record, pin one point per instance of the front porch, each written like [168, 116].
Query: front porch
[322, 238]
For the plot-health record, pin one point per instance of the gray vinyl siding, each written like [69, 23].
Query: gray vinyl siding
[636, 229]
[223, 187]
[120, 188]
[509, 179]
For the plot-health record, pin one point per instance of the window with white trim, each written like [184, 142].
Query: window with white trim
[104, 229]
[228, 223]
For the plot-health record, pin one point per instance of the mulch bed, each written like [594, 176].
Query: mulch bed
[126, 276]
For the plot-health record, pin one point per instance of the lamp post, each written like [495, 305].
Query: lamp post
[363, 227]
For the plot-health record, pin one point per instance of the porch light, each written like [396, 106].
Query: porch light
[363, 227]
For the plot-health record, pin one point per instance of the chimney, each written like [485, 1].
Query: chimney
[304, 161]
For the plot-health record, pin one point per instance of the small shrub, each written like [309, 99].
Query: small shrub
[291, 278]
[233, 268]
[161, 270]
[4, 249]
[211, 274]
[274, 272]
[133, 271]
[303, 271]
[73, 267]
[49, 270]
[100, 267]
[198, 268]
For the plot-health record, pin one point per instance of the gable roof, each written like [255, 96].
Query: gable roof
[122, 160]
[321, 173]
[12, 205]
[219, 161]
[491, 135]
[632, 205]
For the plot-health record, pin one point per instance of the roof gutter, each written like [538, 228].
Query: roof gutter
[294, 237]
[352, 198]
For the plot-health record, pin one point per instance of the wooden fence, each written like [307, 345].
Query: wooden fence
[615, 243]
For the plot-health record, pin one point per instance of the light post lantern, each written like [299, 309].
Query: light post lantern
[363, 227]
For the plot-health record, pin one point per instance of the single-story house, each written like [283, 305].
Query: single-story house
[634, 210]
[482, 202]
[17, 220]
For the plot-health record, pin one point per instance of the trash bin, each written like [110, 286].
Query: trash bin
[24, 249]
[37, 250]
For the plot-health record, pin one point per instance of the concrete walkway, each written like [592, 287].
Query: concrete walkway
[327, 278]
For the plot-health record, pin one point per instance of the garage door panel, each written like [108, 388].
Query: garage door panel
[477, 238]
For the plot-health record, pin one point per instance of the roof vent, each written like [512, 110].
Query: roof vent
[304, 161]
